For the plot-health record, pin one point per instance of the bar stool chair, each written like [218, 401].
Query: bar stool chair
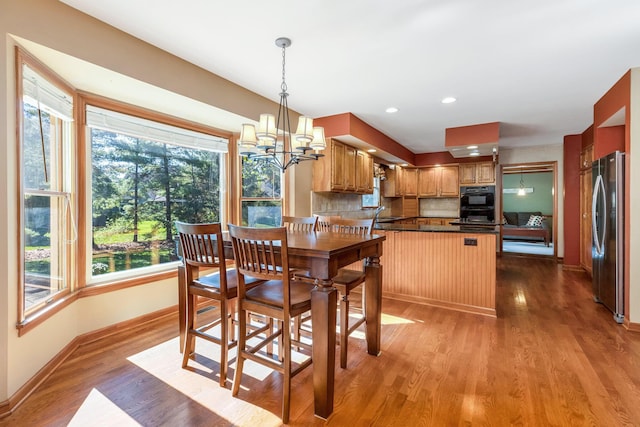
[300, 223]
[202, 247]
[324, 222]
[262, 253]
[347, 280]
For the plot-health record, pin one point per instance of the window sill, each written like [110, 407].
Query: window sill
[48, 311]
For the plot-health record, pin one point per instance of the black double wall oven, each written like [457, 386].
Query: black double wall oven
[477, 204]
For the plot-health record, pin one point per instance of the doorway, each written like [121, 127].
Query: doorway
[528, 202]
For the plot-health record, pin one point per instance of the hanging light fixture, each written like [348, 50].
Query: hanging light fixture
[521, 191]
[273, 142]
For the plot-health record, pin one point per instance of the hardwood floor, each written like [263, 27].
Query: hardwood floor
[552, 357]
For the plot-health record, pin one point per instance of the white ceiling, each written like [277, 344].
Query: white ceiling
[535, 67]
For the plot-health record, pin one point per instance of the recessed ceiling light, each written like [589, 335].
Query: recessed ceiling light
[404, 165]
[391, 110]
[371, 150]
[448, 100]
[475, 153]
[472, 147]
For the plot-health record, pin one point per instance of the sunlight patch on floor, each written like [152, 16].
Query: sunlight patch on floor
[164, 362]
[98, 410]
[388, 319]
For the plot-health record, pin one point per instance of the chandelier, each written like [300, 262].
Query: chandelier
[273, 142]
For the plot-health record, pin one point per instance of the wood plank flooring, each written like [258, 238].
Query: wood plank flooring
[551, 358]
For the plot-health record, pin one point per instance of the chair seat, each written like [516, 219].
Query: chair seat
[211, 283]
[272, 293]
[349, 279]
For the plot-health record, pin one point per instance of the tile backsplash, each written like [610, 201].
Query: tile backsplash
[449, 207]
[350, 206]
[344, 204]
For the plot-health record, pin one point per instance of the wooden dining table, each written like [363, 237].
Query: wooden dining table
[322, 254]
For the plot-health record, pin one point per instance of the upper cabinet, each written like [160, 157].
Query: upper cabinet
[394, 182]
[410, 183]
[477, 173]
[343, 169]
[438, 181]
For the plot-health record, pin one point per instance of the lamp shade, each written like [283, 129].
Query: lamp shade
[248, 138]
[304, 133]
[318, 142]
[267, 129]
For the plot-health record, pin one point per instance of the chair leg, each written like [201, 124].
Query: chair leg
[344, 329]
[190, 324]
[242, 338]
[286, 359]
[224, 343]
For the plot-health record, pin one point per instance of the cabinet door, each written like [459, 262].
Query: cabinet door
[349, 168]
[467, 173]
[393, 183]
[364, 172]
[449, 186]
[337, 165]
[485, 173]
[427, 182]
[410, 182]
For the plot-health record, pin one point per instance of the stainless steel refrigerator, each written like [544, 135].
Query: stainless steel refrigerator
[607, 247]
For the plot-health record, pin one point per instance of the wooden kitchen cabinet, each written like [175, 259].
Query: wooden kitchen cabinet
[438, 181]
[343, 169]
[394, 183]
[410, 178]
[477, 173]
[364, 172]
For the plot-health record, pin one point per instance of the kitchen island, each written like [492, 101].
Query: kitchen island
[448, 266]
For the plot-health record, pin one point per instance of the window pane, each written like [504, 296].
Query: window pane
[36, 147]
[261, 213]
[139, 189]
[44, 248]
[260, 179]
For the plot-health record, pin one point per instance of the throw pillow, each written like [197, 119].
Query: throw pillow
[504, 220]
[534, 221]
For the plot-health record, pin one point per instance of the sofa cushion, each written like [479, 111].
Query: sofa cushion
[523, 217]
[511, 217]
[535, 221]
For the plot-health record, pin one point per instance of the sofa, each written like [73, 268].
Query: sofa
[528, 226]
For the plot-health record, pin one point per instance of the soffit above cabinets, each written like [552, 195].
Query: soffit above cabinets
[473, 141]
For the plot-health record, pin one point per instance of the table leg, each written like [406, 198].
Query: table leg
[324, 299]
[182, 303]
[373, 304]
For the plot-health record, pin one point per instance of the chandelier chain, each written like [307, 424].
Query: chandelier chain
[283, 86]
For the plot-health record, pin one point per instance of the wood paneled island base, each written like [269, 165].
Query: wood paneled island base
[437, 268]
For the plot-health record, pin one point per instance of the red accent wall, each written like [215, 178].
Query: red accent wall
[348, 124]
[472, 134]
[572, 147]
[444, 157]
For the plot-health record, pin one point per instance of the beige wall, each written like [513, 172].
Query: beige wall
[58, 27]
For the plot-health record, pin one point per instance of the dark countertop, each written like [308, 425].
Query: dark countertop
[399, 218]
[436, 228]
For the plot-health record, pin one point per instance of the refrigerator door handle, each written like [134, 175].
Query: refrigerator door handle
[598, 188]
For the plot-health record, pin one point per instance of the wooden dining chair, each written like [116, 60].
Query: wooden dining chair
[299, 223]
[202, 248]
[262, 254]
[347, 280]
[324, 221]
